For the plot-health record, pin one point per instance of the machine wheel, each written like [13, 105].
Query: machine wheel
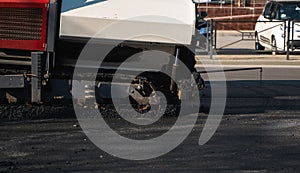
[158, 82]
[274, 47]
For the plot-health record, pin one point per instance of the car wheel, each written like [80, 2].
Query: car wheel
[274, 47]
[258, 46]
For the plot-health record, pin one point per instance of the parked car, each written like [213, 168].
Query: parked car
[271, 30]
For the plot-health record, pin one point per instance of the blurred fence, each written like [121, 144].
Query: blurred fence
[236, 41]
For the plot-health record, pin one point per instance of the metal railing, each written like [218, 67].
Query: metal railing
[288, 36]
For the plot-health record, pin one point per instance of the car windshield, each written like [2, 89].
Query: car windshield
[289, 11]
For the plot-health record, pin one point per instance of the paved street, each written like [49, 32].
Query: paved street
[256, 142]
[259, 132]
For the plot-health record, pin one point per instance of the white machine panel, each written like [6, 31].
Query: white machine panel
[161, 21]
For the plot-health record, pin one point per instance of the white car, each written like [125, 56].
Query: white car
[271, 29]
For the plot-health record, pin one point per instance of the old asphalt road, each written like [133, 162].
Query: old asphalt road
[260, 132]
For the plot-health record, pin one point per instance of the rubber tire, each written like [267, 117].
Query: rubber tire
[258, 46]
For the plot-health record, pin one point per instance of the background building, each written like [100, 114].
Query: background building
[241, 10]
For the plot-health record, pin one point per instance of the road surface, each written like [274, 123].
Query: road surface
[260, 132]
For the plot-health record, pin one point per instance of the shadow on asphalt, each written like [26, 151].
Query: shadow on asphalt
[249, 97]
[243, 97]
[232, 51]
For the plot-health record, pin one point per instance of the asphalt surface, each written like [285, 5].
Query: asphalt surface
[265, 142]
[259, 132]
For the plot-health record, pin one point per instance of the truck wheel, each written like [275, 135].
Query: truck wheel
[274, 47]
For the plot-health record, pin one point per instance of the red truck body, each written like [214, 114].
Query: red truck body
[23, 24]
